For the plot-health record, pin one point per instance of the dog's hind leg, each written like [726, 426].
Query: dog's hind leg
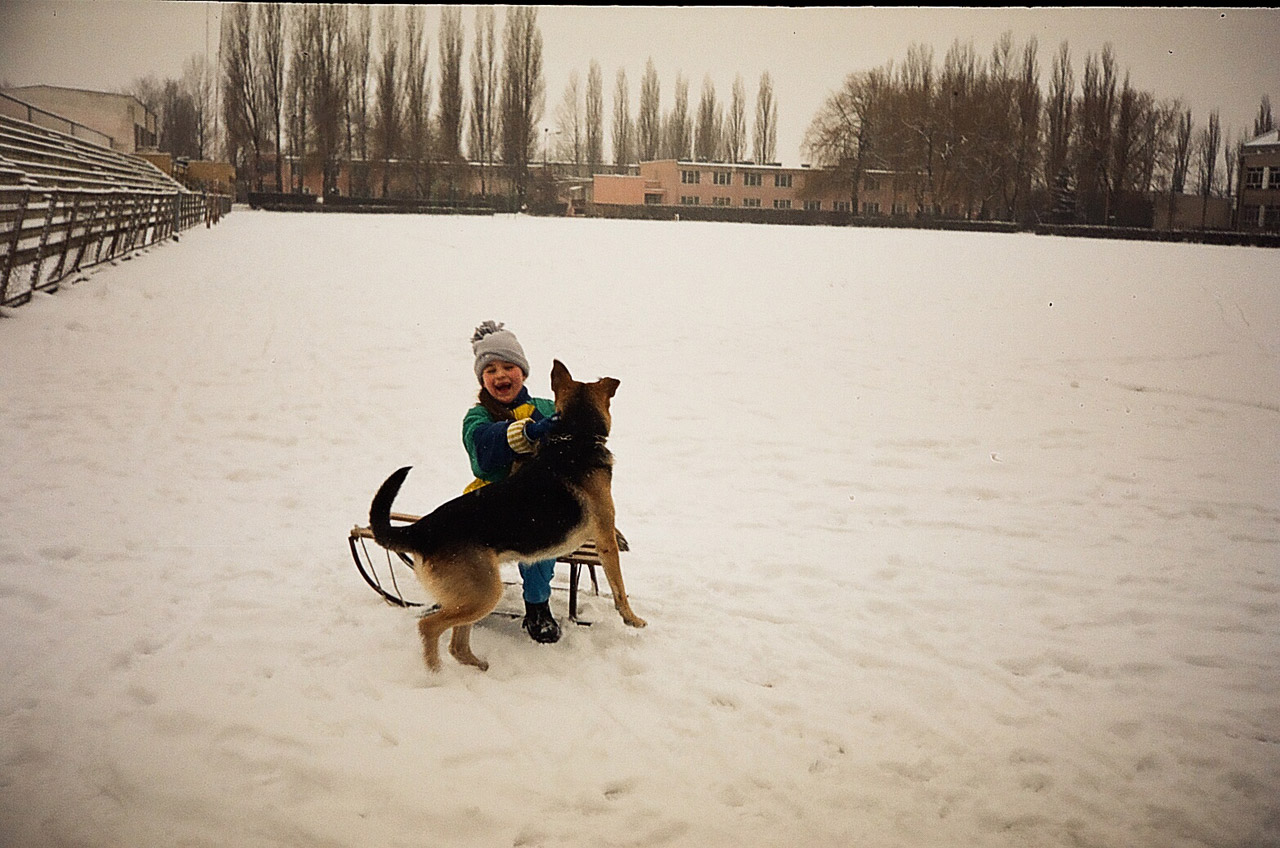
[460, 647]
[429, 630]
[468, 586]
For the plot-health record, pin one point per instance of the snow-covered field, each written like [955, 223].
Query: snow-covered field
[943, 540]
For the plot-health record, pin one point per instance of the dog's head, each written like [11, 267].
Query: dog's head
[582, 406]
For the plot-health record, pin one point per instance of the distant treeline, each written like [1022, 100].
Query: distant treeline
[981, 138]
[978, 137]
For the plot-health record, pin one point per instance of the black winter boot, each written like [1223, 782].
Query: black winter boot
[540, 624]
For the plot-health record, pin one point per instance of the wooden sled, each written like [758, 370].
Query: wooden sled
[389, 588]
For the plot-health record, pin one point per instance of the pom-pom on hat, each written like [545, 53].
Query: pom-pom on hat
[491, 343]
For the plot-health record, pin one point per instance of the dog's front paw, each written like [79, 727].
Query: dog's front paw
[634, 620]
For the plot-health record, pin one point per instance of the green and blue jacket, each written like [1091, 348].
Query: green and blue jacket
[494, 446]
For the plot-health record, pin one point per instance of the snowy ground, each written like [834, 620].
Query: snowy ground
[943, 540]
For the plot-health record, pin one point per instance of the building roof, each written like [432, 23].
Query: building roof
[1267, 139]
[69, 88]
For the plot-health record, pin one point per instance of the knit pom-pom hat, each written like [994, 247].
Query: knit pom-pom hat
[491, 343]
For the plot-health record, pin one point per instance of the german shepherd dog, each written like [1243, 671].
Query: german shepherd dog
[548, 506]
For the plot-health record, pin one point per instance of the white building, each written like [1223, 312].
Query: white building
[130, 125]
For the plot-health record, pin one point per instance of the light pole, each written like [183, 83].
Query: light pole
[549, 183]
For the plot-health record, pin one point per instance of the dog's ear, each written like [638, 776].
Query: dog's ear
[560, 376]
[610, 385]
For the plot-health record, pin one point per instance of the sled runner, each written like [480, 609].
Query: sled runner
[386, 581]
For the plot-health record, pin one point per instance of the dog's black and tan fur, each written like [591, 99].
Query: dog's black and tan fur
[554, 501]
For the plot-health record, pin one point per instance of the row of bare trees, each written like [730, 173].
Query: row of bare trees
[980, 138]
[703, 132]
[325, 83]
[183, 108]
[328, 84]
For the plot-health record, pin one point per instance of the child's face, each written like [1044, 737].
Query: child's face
[504, 380]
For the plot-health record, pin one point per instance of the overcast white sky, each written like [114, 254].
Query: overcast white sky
[1212, 58]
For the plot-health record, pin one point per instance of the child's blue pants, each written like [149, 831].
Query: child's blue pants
[537, 580]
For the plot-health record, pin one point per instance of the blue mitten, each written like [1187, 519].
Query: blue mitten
[534, 431]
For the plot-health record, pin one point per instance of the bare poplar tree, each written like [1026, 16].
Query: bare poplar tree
[271, 24]
[1181, 153]
[360, 51]
[328, 90]
[735, 130]
[649, 116]
[451, 99]
[198, 82]
[176, 118]
[1210, 145]
[1231, 150]
[1125, 144]
[1028, 102]
[299, 84]
[623, 135]
[990, 150]
[956, 105]
[766, 124]
[707, 142]
[919, 139]
[1094, 131]
[523, 92]
[484, 116]
[678, 131]
[1264, 122]
[389, 124]
[1156, 128]
[242, 89]
[595, 118]
[570, 140]
[417, 98]
[1058, 121]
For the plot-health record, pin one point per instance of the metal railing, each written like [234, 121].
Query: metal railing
[47, 235]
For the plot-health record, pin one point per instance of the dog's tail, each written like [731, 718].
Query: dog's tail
[390, 537]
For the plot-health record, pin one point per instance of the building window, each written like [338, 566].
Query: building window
[1272, 219]
[870, 207]
[781, 203]
[722, 178]
[749, 179]
[1273, 182]
[687, 200]
[690, 177]
[782, 181]
[652, 199]
[719, 201]
[840, 205]
[753, 202]
[1253, 178]
[813, 206]
[871, 184]
[899, 208]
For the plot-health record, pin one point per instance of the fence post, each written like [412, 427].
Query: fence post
[44, 239]
[89, 228]
[12, 256]
[153, 219]
[59, 269]
[116, 214]
[131, 222]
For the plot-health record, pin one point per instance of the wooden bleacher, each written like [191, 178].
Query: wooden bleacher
[67, 203]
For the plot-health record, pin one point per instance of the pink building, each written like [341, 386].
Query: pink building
[672, 182]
